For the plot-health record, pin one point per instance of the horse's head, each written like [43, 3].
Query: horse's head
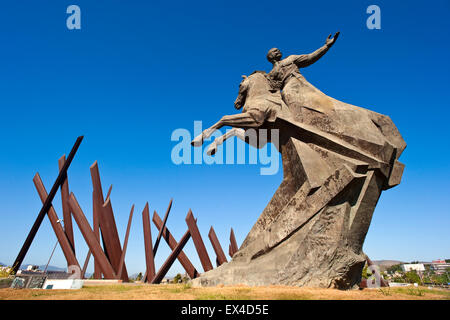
[253, 85]
[243, 88]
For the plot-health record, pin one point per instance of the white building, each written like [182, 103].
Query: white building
[419, 267]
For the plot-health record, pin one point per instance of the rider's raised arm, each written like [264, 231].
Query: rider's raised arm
[306, 60]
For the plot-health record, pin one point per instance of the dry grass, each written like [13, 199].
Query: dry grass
[185, 292]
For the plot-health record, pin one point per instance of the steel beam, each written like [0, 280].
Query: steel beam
[233, 243]
[155, 248]
[171, 259]
[97, 203]
[221, 259]
[86, 263]
[96, 224]
[182, 258]
[109, 192]
[107, 224]
[67, 217]
[91, 239]
[59, 180]
[57, 228]
[149, 259]
[198, 242]
[112, 242]
[125, 241]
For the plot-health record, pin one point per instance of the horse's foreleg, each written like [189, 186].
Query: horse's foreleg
[242, 120]
[212, 149]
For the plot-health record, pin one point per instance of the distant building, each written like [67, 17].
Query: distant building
[438, 261]
[32, 268]
[439, 266]
[419, 267]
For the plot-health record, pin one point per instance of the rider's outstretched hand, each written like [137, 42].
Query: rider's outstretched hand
[330, 41]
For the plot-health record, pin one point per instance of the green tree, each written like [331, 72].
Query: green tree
[441, 278]
[395, 268]
[412, 277]
[4, 273]
[139, 277]
[398, 279]
[364, 273]
[177, 278]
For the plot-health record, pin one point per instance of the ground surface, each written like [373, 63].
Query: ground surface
[186, 292]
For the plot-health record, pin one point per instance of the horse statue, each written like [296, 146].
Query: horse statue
[337, 159]
[260, 108]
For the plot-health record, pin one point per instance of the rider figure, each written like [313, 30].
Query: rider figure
[283, 69]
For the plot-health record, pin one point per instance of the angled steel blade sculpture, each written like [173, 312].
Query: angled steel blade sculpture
[125, 241]
[149, 259]
[48, 201]
[55, 222]
[182, 258]
[233, 243]
[109, 192]
[217, 247]
[170, 260]
[107, 224]
[96, 225]
[91, 239]
[97, 204]
[198, 242]
[67, 217]
[155, 248]
[115, 251]
[86, 263]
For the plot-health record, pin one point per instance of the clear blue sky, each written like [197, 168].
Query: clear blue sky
[137, 70]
